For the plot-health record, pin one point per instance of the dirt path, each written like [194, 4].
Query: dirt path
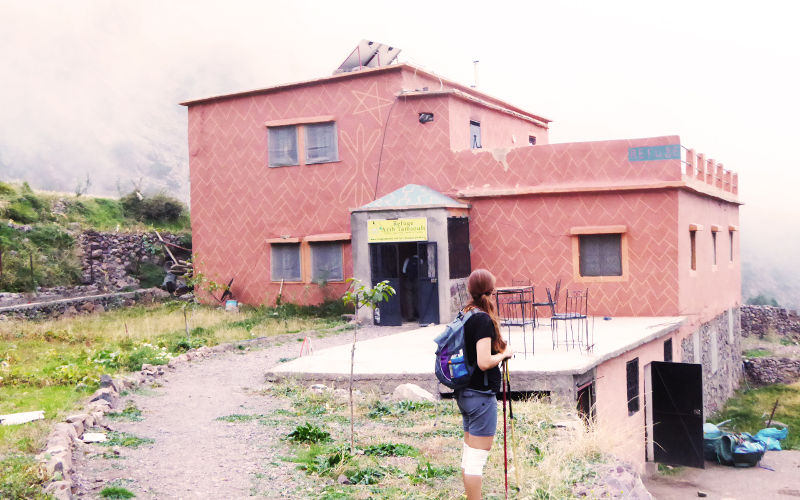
[194, 455]
[731, 483]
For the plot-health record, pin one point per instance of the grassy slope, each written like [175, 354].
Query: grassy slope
[51, 365]
[49, 244]
[750, 408]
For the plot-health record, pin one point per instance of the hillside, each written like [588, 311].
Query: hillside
[38, 235]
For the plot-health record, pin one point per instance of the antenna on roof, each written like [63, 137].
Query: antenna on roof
[368, 54]
[475, 85]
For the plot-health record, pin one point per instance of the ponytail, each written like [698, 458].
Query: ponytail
[480, 285]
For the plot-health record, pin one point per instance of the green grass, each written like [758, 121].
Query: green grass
[131, 414]
[749, 410]
[21, 477]
[759, 352]
[116, 492]
[238, 417]
[118, 438]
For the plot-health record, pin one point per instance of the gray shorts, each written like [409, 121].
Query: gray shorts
[478, 412]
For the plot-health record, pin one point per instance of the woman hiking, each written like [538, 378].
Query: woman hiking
[477, 402]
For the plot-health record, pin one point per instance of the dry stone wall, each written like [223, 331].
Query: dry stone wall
[761, 320]
[768, 370]
[717, 346]
[109, 258]
[82, 305]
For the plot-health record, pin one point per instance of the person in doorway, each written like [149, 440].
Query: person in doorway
[477, 402]
[410, 274]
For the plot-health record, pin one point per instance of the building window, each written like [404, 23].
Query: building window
[285, 262]
[730, 238]
[714, 248]
[532, 140]
[326, 261]
[321, 143]
[668, 350]
[318, 141]
[693, 243]
[282, 146]
[474, 135]
[632, 377]
[458, 247]
[600, 254]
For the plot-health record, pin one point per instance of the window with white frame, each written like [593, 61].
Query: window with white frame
[326, 261]
[285, 262]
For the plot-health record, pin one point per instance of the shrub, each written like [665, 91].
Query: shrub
[22, 477]
[156, 208]
[391, 450]
[7, 189]
[146, 354]
[21, 211]
[308, 433]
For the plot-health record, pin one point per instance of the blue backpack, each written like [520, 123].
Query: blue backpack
[452, 368]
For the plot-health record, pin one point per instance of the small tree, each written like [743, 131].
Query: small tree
[361, 295]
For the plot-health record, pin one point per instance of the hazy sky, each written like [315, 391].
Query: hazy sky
[93, 86]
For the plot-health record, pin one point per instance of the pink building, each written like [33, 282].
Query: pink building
[395, 173]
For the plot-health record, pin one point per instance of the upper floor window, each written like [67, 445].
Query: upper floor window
[693, 248]
[318, 142]
[474, 135]
[714, 248]
[532, 140]
[321, 143]
[282, 146]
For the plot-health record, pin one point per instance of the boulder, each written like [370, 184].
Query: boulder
[411, 392]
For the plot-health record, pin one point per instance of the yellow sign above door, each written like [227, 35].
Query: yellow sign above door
[384, 231]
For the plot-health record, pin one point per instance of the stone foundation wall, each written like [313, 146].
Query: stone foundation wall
[760, 320]
[717, 346]
[82, 305]
[766, 371]
[109, 258]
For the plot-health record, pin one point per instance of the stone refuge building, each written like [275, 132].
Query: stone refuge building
[366, 173]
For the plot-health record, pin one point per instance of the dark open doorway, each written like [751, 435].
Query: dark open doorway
[674, 415]
[411, 269]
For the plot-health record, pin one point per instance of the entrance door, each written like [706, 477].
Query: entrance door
[674, 413]
[428, 287]
[384, 265]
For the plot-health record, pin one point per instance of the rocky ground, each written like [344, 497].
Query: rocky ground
[193, 454]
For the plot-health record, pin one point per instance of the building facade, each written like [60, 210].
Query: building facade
[394, 173]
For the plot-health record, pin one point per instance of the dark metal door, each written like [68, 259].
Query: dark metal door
[676, 412]
[428, 287]
[384, 265]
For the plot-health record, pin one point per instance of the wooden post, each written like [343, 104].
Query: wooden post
[33, 279]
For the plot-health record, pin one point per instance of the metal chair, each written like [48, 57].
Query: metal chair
[515, 308]
[551, 302]
[576, 308]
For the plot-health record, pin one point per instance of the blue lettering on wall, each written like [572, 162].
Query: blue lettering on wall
[649, 153]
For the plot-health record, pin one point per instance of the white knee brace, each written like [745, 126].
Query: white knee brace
[473, 460]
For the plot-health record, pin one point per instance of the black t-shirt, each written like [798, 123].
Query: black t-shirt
[480, 326]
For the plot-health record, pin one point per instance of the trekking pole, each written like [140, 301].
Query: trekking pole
[505, 432]
[514, 452]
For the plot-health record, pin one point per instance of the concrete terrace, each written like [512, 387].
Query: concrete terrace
[385, 362]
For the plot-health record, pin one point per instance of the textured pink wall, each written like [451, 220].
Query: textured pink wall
[709, 289]
[529, 237]
[498, 130]
[238, 201]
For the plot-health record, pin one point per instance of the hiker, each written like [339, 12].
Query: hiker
[478, 402]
